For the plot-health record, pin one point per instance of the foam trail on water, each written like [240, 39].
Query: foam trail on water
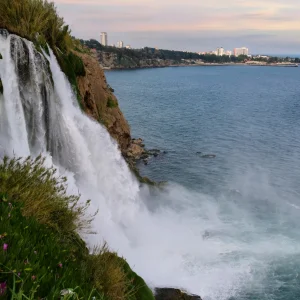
[171, 237]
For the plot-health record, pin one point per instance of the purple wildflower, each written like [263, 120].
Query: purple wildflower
[33, 277]
[19, 274]
[5, 247]
[60, 265]
[3, 288]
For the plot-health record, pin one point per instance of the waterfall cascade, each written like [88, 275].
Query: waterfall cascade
[159, 232]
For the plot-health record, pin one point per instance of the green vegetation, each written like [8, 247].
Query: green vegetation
[72, 65]
[111, 103]
[42, 256]
[39, 22]
[127, 58]
[33, 18]
[135, 56]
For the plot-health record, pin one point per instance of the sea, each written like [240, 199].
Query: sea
[229, 135]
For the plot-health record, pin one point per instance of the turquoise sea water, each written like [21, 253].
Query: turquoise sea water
[249, 117]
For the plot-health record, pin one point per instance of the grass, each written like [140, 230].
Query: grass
[43, 194]
[38, 261]
[72, 65]
[111, 103]
[41, 254]
[39, 22]
[36, 18]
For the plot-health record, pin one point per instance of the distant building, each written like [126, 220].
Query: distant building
[241, 51]
[229, 53]
[120, 44]
[220, 51]
[103, 38]
[128, 47]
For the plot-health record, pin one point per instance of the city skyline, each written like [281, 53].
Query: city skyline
[220, 51]
[265, 26]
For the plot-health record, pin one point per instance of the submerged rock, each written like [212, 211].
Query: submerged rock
[174, 294]
[153, 152]
[209, 156]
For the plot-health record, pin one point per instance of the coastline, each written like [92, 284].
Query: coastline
[200, 65]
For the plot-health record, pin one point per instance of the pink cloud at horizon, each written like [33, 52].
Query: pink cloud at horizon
[122, 18]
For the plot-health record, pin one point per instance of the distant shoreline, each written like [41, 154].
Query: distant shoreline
[202, 65]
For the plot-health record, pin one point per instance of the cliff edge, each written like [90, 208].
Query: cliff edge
[100, 103]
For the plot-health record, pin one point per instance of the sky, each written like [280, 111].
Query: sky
[264, 26]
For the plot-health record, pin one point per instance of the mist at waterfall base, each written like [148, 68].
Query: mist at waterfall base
[219, 243]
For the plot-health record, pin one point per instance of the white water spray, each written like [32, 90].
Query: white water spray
[173, 237]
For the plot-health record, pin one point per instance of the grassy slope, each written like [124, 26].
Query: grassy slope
[41, 253]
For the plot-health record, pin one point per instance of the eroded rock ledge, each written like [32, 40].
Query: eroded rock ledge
[174, 294]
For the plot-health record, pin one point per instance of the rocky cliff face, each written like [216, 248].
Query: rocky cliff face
[111, 60]
[99, 102]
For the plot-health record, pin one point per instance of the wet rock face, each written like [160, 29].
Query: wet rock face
[173, 294]
[20, 54]
[4, 32]
[135, 151]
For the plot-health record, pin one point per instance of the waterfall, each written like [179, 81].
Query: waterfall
[159, 232]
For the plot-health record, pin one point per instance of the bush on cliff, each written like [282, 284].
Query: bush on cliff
[29, 17]
[39, 22]
[41, 255]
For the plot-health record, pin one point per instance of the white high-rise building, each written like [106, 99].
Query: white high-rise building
[220, 51]
[228, 52]
[241, 51]
[120, 44]
[104, 39]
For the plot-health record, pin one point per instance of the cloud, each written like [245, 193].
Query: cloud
[122, 17]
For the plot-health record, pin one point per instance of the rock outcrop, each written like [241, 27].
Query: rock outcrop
[99, 102]
[173, 294]
[110, 60]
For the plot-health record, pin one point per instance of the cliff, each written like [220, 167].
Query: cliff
[99, 102]
[110, 60]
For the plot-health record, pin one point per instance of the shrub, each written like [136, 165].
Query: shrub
[38, 262]
[108, 274]
[39, 22]
[29, 17]
[113, 277]
[72, 65]
[43, 194]
[111, 103]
